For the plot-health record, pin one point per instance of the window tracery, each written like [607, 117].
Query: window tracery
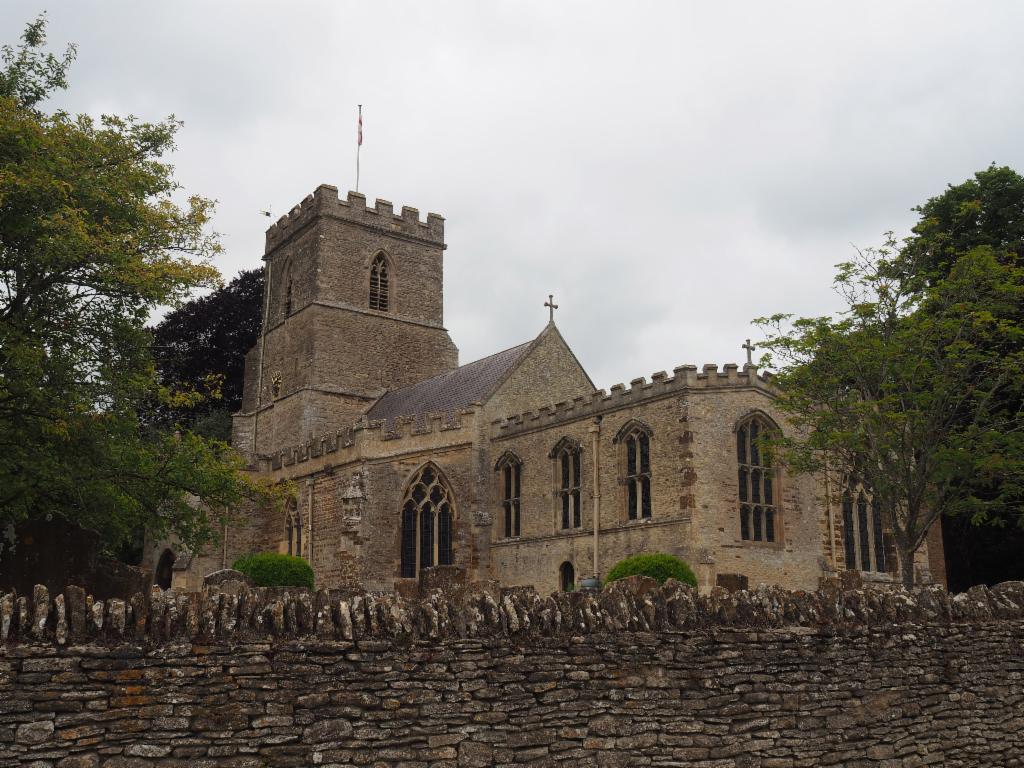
[427, 523]
[511, 466]
[635, 439]
[568, 459]
[756, 479]
[380, 284]
[863, 540]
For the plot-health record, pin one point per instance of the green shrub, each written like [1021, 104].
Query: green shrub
[269, 569]
[660, 567]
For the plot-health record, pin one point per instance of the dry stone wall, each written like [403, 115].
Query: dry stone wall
[635, 675]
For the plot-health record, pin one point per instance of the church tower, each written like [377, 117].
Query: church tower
[352, 307]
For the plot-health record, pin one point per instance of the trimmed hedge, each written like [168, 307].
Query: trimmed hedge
[658, 566]
[270, 569]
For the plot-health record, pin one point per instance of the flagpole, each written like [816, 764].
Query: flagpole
[359, 144]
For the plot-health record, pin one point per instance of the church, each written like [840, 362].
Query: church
[404, 466]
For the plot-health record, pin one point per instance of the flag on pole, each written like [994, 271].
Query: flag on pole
[360, 125]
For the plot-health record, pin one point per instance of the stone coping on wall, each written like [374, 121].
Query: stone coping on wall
[234, 612]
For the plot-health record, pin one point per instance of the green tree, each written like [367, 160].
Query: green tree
[987, 210]
[902, 388]
[201, 347]
[91, 241]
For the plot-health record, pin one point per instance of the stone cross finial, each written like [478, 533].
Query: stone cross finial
[750, 349]
[550, 304]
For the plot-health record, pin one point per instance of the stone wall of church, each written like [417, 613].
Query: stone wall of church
[348, 489]
[331, 347]
[550, 373]
[692, 418]
[634, 675]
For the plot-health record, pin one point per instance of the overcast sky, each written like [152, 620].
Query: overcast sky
[668, 170]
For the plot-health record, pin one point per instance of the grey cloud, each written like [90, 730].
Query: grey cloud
[668, 170]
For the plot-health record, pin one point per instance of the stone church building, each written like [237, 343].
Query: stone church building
[514, 467]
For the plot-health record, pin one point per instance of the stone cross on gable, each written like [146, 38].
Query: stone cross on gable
[550, 304]
[750, 349]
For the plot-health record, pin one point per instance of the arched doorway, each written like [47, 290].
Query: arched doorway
[567, 577]
[428, 519]
[164, 570]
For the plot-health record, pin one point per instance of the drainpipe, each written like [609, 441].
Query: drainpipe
[309, 520]
[595, 434]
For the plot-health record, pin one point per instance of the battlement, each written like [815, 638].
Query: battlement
[367, 435]
[324, 201]
[684, 378]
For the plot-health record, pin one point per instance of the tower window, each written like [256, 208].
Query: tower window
[379, 284]
[756, 482]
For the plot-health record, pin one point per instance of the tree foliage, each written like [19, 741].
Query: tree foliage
[987, 210]
[902, 388]
[201, 346]
[91, 241]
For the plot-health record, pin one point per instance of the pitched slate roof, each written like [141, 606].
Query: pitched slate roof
[444, 393]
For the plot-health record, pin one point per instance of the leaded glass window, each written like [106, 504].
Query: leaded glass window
[863, 540]
[427, 523]
[568, 458]
[756, 482]
[511, 482]
[637, 446]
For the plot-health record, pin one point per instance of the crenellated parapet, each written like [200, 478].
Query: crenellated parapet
[374, 437]
[326, 202]
[685, 378]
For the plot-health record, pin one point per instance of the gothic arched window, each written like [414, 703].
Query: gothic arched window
[635, 460]
[427, 523]
[379, 284]
[567, 456]
[756, 480]
[511, 468]
[863, 541]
